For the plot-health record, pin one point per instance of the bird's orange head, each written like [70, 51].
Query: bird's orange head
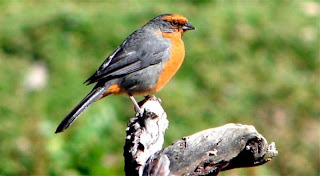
[168, 23]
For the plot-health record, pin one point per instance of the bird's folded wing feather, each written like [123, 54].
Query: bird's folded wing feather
[125, 61]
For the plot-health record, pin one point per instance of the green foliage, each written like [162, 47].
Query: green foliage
[248, 62]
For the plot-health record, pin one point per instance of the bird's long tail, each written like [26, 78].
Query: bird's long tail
[94, 95]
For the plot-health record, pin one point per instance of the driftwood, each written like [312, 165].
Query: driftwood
[204, 153]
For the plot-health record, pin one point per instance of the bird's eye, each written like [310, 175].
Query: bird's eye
[175, 23]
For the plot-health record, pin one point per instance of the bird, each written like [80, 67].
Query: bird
[142, 65]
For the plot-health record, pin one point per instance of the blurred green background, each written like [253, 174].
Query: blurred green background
[249, 62]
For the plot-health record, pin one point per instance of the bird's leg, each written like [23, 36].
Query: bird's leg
[135, 104]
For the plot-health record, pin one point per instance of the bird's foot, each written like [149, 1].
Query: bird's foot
[152, 97]
[139, 111]
[136, 106]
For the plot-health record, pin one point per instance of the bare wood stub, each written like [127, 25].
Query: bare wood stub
[204, 153]
[145, 135]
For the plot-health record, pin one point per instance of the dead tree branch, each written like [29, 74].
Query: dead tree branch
[204, 153]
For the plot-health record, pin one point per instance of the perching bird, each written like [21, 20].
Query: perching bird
[142, 65]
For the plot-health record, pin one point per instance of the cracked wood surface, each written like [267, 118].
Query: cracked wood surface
[204, 153]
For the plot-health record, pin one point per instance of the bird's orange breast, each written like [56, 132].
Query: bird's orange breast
[177, 53]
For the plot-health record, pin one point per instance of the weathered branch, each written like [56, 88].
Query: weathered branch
[145, 136]
[204, 153]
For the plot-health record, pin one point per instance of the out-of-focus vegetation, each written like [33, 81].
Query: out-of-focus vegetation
[248, 62]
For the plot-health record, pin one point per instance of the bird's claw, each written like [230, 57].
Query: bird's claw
[139, 111]
[152, 97]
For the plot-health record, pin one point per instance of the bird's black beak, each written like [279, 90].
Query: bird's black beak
[188, 26]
